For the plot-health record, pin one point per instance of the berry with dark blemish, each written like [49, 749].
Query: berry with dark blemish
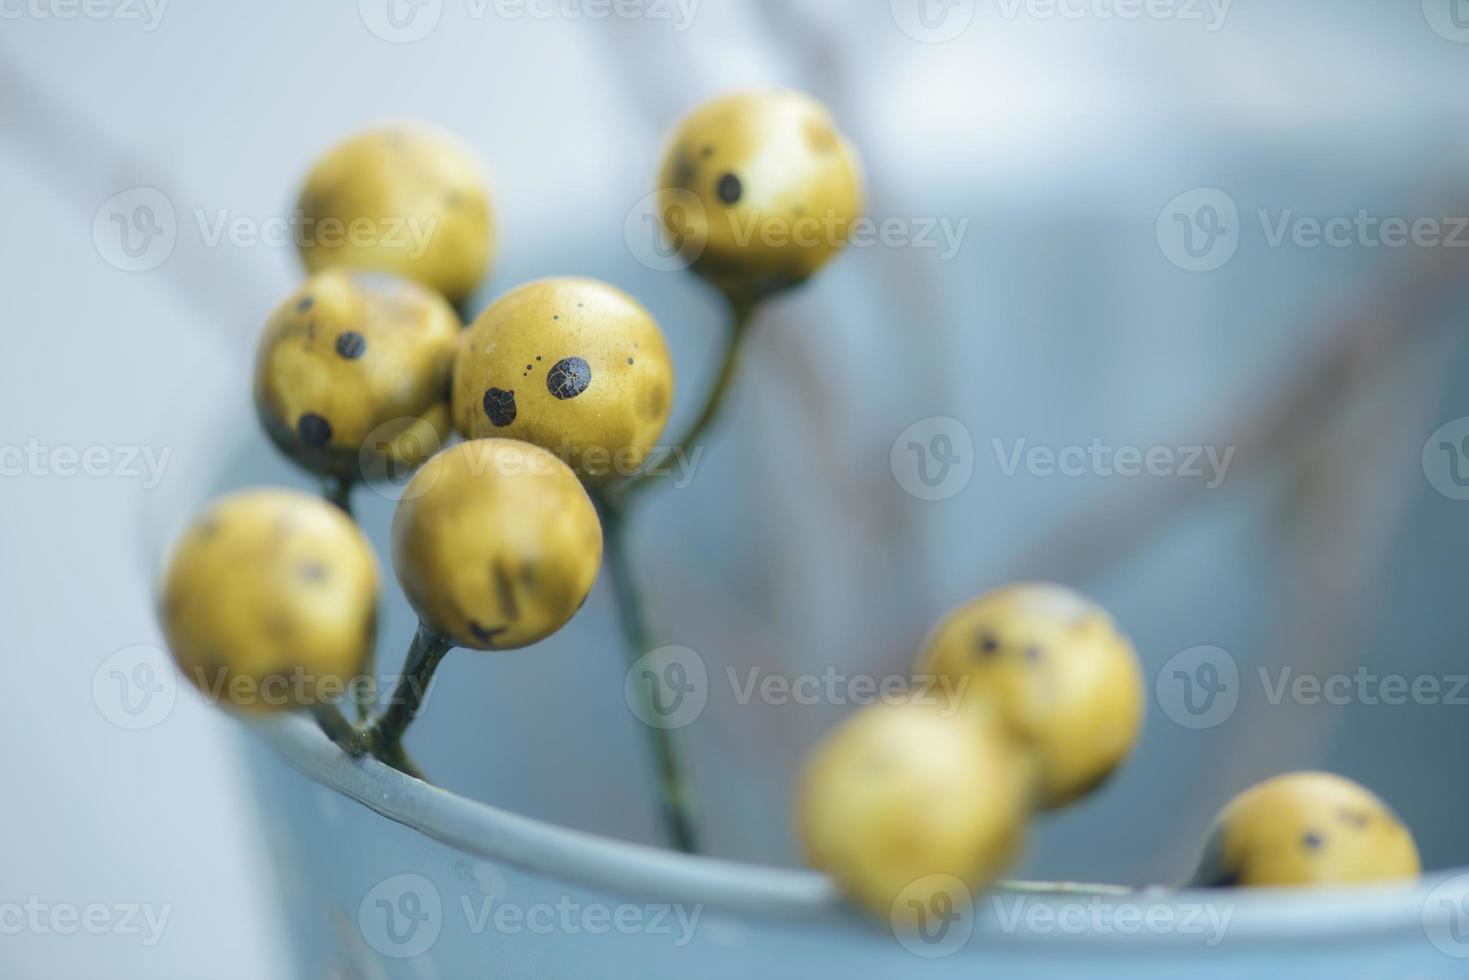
[500, 406]
[730, 189]
[629, 360]
[313, 571]
[988, 645]
[305, 303]
[1312, 841]
[486, 636]
[351, 344]
[568, 377]
[1033, 654]
[505, 592]
[314, 430]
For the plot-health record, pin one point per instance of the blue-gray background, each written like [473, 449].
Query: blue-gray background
[1061, 319]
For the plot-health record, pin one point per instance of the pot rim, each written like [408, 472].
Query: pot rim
[1271, 915]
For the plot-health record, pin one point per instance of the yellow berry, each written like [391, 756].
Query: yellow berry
[270, 601]
[1307, 828]
[405, 198]
[352, 373]
[1057, 670]
[904, 796]
[758, 190]
[496, 544]
[572, 365]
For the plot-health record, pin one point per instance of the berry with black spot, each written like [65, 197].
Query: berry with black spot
[568, 377]
[500, 406]
[314, 430]
[351, 344]
[730, 189]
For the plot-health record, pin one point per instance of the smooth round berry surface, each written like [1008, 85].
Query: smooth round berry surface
[1307, 828]
[902, 797]
[758, 190]
[1057, 670]
[496, 544]
[406, 198]
[352, 373]
[270, 601]
[575, 366]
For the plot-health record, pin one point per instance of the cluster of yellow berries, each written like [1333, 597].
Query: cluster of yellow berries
[564, 385]
[366, 370]
[1043, 699]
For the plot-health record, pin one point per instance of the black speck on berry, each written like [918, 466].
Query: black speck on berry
[351, 344]
[314, 430]
[568, 377]
[500, 406]
[730, 189]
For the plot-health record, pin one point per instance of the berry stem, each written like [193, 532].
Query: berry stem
[676, 805]
[338, 491]
[353, 740]
[425, 654]
[742, 312]
[675, 800]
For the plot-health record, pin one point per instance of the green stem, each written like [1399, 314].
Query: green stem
[424, 656]
[354, 741]
[675, 801]
[464, 311]
[338, 491]
[742, 311]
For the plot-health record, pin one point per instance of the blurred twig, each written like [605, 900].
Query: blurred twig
[1382, 325]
